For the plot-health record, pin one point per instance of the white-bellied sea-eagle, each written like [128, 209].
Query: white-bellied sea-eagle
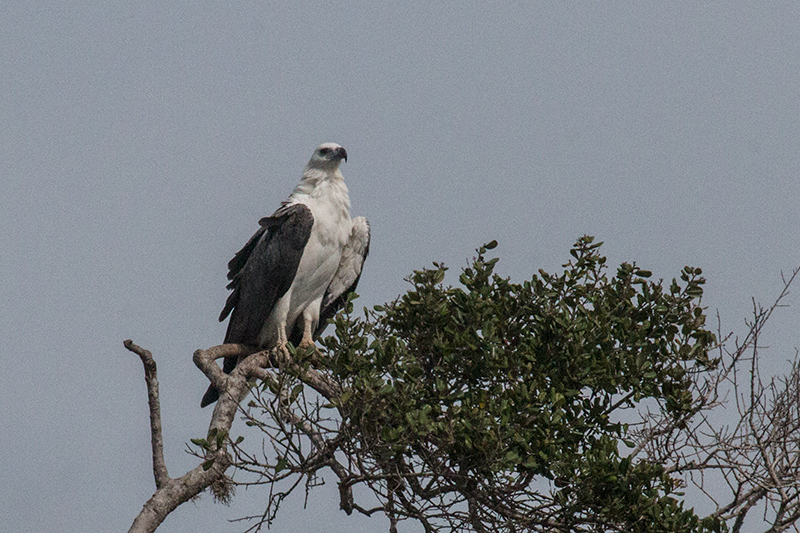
[298, 268]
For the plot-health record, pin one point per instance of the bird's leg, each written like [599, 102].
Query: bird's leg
[308, 338]
[282, 340]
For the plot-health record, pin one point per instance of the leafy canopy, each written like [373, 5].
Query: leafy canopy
[503, 406]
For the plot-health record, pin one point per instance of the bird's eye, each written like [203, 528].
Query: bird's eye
[324, 151]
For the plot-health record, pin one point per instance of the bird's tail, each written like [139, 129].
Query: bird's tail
[212, 394]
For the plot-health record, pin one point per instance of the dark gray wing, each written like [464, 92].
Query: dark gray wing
[347, 275]
[263, 271]
[260, 274]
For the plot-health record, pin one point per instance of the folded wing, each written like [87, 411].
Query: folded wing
[260, 273]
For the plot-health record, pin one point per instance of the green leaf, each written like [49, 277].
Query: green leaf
[345, 396]
[296, 390]
[282, 463]
[695, 291]
[221, 436]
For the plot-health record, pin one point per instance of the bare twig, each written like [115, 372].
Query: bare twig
[758, 457]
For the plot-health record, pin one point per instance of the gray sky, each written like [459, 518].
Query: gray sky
[141, 142]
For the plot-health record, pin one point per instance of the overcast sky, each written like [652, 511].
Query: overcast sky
[140, 142]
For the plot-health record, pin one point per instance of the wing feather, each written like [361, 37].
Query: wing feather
[261, 273]
[348, 274]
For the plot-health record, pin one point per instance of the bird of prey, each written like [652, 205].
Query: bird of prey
[298, 269]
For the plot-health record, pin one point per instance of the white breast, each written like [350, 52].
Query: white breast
[330, 204]
[321, 256]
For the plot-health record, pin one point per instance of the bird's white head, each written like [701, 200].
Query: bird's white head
[327, 156]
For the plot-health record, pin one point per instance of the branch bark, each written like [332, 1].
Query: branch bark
[170, 493]
[157, 442]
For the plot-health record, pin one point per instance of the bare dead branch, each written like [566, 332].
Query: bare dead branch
[157, 441]
[170, 493]
[233, 387]
[758, 457]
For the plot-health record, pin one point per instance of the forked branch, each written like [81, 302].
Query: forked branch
[233, 387]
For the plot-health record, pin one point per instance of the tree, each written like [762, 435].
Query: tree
[575, 401]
